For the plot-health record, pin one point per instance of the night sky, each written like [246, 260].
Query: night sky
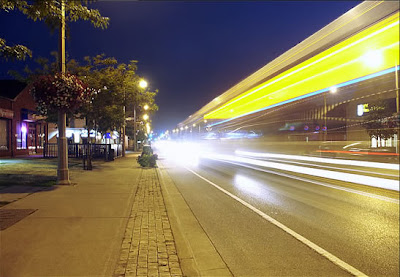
[190, 51]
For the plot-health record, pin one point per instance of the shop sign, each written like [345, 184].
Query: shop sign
[35, 117]
[6, 113]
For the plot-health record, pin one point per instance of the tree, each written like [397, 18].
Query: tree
[48, 11]
[55, 14]
[380, 122]
[116, 87]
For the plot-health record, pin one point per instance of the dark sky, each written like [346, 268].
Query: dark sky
[190, 51]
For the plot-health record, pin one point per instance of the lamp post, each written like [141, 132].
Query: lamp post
[134, 128]
[332, 90]
[62, 170]
[143, 85]
[124, 127]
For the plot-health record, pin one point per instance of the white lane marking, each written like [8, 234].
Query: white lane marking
[320, 160]
[297, 236]
[332, 167]
[367, 194]
[341, 176]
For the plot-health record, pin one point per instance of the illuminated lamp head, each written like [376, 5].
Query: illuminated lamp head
[317, 128]
[324, 128]
[306, 128]
[143, 83]
[23, 129]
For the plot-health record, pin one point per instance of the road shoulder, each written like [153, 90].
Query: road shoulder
[197, 254]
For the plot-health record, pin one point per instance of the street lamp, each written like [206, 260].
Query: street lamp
[145, 116]
[148, 127]
[146, 107]
[143, 84]
[62, 144]
[375, 58]
[331, 90]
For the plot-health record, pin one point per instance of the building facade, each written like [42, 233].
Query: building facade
[22, 130]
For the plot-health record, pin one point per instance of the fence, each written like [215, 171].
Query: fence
[78, 150]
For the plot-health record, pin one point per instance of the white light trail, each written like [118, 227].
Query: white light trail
[336, 168]
[319, 160]
[340, 176]
[359, 192]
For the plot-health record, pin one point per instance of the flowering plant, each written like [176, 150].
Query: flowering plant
[60, 92]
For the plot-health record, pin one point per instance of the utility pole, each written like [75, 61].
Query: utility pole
[134, 129]
[124, 129]
[62, 171]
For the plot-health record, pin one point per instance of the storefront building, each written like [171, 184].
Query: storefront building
[22, 130]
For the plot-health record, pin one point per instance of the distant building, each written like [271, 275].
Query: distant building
[22, 130]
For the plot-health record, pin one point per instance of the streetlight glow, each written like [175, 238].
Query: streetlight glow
[143, 83]
[146, 107]
[145, 116]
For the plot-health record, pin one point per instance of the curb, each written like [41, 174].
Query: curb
[197, 254]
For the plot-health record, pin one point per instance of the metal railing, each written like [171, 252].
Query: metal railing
[78, 150]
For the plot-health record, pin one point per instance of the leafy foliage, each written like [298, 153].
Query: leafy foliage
[147, 160]
[18, 52]
[60, 92]
[48, 11]
[380, 121]
[114, 85]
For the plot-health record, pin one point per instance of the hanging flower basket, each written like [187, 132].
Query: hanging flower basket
[64, 92]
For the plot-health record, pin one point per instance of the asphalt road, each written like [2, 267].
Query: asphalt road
[268, 222]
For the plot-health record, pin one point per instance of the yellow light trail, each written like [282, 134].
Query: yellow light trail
[338, 64]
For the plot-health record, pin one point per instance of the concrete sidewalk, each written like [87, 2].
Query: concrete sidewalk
[118, 220]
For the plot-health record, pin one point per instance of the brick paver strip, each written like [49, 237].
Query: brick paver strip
[148, 247]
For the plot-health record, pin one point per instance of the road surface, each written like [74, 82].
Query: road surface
[267, 221]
